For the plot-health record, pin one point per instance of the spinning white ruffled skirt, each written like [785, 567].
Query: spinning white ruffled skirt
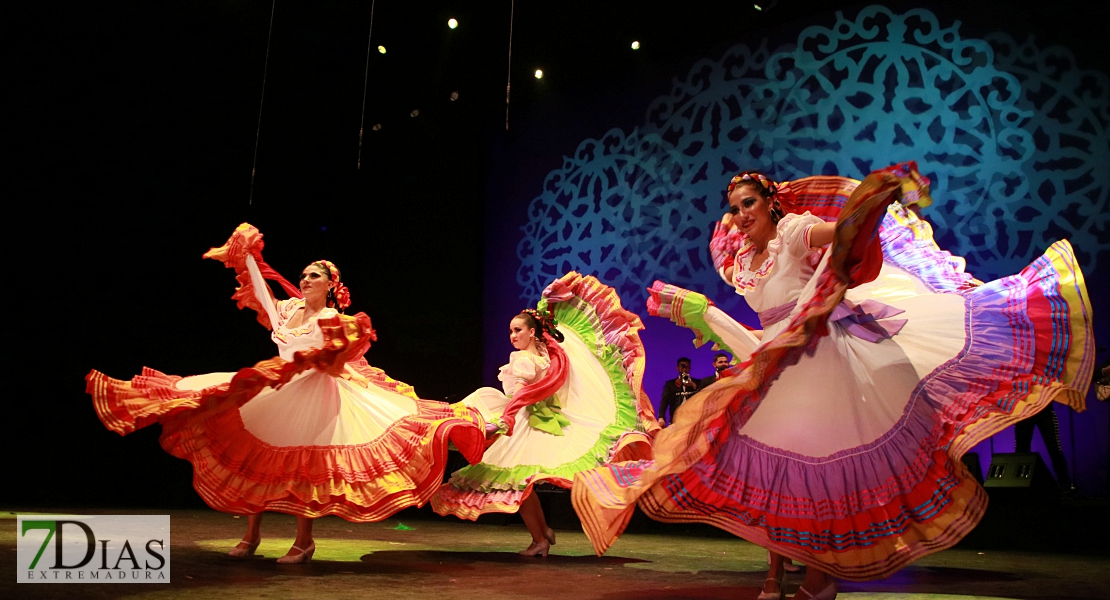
[316, 431]
[603, 411]
[837, 442]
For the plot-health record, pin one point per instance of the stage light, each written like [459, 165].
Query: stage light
[415, 112]
[381, 49]
[454, 96]
[377, 126]
[539, 73]
[757, 7]
[635, 45]
[452, 23]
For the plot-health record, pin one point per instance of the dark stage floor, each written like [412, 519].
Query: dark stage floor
[429, 557]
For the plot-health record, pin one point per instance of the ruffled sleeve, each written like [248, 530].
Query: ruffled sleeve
[793, 231]
[260, 288]
[246, 242]
[521, 370]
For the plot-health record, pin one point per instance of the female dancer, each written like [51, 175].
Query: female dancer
[315, 432]
[837, 442]
[571, 402]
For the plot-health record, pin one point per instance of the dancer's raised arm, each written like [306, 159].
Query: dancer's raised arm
[253, 291]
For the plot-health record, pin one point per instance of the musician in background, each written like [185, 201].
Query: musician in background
[676, 391]
[720, 363]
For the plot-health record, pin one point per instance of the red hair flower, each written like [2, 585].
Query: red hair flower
[342, 296]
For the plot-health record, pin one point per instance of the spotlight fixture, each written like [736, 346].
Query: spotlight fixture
[757, 7]
[454, 96]
[635, 45]
[452, 23]
[381, 49]
[415, 112]
[539, 73]
[377, 127]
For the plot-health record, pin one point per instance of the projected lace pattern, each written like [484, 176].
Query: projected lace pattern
[1009, 134]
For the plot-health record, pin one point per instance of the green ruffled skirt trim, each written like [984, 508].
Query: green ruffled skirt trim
[577, 316]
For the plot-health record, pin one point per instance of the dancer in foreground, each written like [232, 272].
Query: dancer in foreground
[314, 432]
[572, 401]
[837, 442]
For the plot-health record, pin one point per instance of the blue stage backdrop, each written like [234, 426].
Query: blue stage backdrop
[1013, 136]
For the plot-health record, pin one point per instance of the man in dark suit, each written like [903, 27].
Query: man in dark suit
[676, 391]
[720, 363]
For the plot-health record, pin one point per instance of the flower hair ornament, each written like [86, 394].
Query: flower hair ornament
[768, 187]
[339, 295]
[765, 186]
[547, 323]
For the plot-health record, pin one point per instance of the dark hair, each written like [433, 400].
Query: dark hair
[720, 354]
[541, 325]
[681, 360]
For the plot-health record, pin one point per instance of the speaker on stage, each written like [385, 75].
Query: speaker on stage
[1020, 476]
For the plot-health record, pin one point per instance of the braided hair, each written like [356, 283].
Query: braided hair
[763, 186]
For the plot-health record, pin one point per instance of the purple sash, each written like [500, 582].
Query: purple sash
[771, 316]
[869, 320]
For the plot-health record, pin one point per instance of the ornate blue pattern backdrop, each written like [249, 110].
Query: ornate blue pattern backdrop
[1014, 138]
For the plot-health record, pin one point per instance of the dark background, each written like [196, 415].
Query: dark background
[132, 137]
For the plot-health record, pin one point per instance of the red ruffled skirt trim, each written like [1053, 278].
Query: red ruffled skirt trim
[1032, 346]
[235, 472]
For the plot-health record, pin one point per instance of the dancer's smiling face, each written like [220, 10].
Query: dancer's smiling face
[520, 334]
[315, 283]
[750, 211]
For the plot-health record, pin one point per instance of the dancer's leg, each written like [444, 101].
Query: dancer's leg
[772, 586]
[532, 513]
[304, 532]
[818, 584]
[251, 539]
[254, 528]
[303, 546]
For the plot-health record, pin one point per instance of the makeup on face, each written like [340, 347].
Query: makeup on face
[520, 335]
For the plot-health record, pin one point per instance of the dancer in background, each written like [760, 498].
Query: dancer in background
[316, 431]
[572, 400]
[837, 440]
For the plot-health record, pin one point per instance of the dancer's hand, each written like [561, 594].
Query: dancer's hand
[726, 240]
[726, 221]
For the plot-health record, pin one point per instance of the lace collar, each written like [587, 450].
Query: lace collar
[744, 278]
[286, 310]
